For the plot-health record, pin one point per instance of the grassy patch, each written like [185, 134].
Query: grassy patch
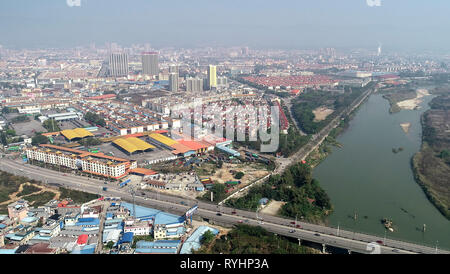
[78, 197]
[28, 189]
[41, 198]
[9, 184]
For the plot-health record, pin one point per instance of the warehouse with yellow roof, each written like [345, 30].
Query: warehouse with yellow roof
[132, 145]
[77, 133]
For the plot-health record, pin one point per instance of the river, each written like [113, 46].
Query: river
[366, 177]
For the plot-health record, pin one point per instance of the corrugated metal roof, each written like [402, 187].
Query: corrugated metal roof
[133, 144]
[76, 133]
[162, 139]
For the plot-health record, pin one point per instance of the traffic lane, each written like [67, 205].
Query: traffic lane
[245, 213]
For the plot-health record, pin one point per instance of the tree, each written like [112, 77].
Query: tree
[3, 139]
[11, 132]
[39, 139]
[90, 141]
[207, 237]
[95, 119]
[51, 125]
[220, 164]
[110, 244]
[239, 175]
[444, 154]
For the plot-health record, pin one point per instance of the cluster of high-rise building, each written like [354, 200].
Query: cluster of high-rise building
[118, 66]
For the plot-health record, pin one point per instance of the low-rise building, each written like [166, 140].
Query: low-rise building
[18, 210]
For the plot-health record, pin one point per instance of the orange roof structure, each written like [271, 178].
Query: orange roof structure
[143, 171]
[194, 145]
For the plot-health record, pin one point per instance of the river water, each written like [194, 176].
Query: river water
[365, 177]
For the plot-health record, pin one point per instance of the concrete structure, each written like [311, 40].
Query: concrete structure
[194, 84]
[94, 163]
[150, 64]
[173, 82]
[18, 210]
[66, 116]
[137, 227]
[118, 64]
[212, 77]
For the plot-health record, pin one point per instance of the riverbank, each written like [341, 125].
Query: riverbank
[394, 97]
[437, 196]
[415, 102]
[325, 149]
[366, 178]
[431, 165]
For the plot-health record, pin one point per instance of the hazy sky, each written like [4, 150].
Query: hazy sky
[397, 24]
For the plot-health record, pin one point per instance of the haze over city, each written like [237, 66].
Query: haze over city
[398, 25]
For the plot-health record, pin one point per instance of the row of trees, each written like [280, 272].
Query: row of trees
[302, 194]
[51, 125]
[245, 239]
[95, 119]
[304, 105]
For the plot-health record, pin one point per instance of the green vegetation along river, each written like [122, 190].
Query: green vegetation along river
[366, 177]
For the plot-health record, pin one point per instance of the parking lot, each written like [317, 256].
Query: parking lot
[25, 128]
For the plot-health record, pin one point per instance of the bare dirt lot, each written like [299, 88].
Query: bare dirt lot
[272, 207]
[251, 172]
[321, 113]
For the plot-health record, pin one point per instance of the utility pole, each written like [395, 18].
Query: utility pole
[436, 247]
[132, 191]
[337, 234]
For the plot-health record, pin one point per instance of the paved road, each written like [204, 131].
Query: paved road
[288, 103]
[356, 242]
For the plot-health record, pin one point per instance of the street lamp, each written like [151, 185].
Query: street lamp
[436, 247]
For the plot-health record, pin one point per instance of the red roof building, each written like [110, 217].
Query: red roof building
[82, 239]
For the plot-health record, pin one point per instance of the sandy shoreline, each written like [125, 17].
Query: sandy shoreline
[405, 127]
[413, 103]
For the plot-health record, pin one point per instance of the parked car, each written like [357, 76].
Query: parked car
[316, 234]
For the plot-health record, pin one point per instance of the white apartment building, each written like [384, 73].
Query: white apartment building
[81, 160]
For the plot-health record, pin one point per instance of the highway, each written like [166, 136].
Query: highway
[355, 242]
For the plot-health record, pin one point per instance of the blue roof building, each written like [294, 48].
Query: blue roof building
[193, 242]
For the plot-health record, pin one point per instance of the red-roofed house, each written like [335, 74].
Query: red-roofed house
[82, 239]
